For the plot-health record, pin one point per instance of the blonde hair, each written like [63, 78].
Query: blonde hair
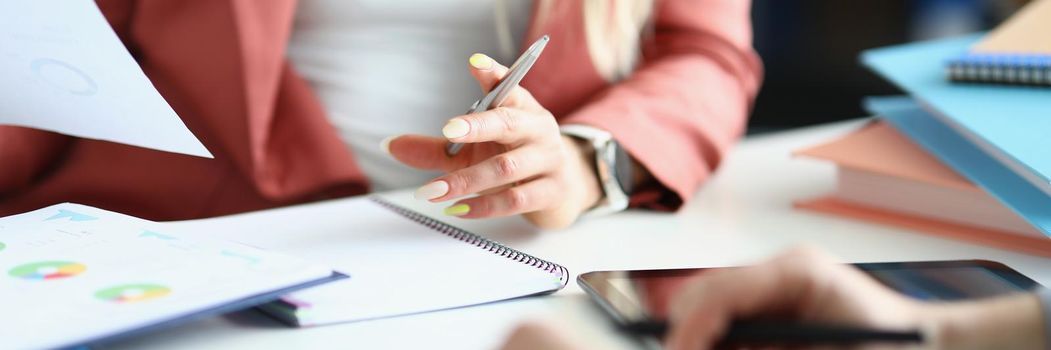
[613, 30]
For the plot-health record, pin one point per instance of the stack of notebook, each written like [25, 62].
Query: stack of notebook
[962, 160]
[885, 177]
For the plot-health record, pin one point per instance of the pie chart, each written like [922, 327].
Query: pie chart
[130, 293]
[47, 270]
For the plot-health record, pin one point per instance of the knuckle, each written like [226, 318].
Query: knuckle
[517, 199]
[481, 207]
[460, 182]
[508, 122]
[506, 166]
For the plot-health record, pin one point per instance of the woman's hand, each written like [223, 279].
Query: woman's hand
[513, 156]
[805, 284]
[802, 284]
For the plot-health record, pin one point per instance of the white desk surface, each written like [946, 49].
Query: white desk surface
[743, 214]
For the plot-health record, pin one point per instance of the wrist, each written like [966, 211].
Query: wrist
[1009, 322]
[611, 167]
[582, 156]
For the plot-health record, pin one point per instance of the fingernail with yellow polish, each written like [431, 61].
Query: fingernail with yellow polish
[458, 210]
[432, 190]
[480, 61]
[385, 144]
[455, 128]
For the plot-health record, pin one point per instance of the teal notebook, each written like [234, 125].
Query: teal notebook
[1010, 123]
[956, 151]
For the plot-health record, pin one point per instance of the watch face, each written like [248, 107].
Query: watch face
[622, 169]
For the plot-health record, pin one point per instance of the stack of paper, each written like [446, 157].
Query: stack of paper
[73, 275]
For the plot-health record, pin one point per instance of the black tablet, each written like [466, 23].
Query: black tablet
[640, 296]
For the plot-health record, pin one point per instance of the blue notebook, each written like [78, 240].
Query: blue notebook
[1010, 123]
[955, 150]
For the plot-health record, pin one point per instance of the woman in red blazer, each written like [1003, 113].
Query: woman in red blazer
[223, 67]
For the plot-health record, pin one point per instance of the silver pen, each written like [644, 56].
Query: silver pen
[498, 94]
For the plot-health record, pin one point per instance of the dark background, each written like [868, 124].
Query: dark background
[810, 48]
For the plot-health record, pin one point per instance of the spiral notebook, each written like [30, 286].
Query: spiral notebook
[399, 261]
[1017, 69]
[1016, 52]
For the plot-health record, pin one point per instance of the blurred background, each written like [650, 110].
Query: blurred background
[810, 49]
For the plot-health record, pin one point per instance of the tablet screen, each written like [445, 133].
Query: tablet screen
[634, 296]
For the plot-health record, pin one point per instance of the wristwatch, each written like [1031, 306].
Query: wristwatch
[612, 165]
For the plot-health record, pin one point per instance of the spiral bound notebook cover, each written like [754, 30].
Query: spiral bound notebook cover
[403, 262]
[1019, 69]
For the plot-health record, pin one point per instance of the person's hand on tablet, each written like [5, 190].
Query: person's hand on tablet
[802, 284]
[514, 158]
[808, 285]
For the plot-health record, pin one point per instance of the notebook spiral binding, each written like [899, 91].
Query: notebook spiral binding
[478, 241]
[1019, 69]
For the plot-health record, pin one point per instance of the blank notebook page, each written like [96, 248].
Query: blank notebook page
[396, 265]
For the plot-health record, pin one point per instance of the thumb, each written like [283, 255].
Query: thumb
[486, 71]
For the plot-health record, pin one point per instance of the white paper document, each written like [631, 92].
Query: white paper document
[63, 69]
[71, 274]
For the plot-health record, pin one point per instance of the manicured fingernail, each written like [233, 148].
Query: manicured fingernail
[385, 144]
[432, 190]
[455, 128]
[458, 210]
[480, 61]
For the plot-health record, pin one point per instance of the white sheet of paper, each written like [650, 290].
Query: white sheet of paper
[72, 273]
[63, 69]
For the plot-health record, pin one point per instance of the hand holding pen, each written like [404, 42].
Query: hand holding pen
[498, 94]
[513, 155]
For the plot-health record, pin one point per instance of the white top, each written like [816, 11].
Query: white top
[384, 68]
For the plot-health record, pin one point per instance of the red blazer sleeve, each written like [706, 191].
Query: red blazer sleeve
[689, 99]
[25, 154]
